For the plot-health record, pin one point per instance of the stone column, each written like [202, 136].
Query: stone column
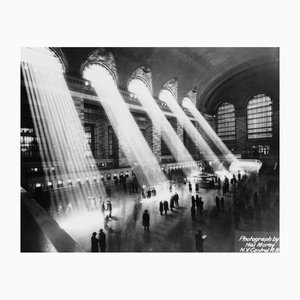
[241, 131]
[153, 137]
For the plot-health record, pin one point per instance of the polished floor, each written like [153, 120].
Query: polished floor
[174, 232]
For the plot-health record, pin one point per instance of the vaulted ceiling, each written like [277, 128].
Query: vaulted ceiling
[205, 68]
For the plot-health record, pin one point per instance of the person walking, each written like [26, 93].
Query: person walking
[103, 207]
[197, 202]
[193, 201]
[176, 199]
[154, 191]
[146, 220]
[94, 243]
[199, 238]
[102, 240]
[190, 186]
[109, 208]
[166, 207]
[201, 205]
[143, 191]
[234, 179]
[172, 203]
[219, 183]
[161, 207]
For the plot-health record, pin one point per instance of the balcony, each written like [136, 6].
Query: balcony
[84, 86]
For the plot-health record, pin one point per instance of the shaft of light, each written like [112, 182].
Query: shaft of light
[208, 129]
[172, 140]
[131, 139]
[190, 129]
[58, 128]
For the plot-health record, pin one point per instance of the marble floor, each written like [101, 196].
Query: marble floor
[174, 232]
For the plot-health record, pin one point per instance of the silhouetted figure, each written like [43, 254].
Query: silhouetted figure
[193, 201]
[234, 179]
[239, 176]
[166, 206]
[146, 220]
[161, 207]
[222, 203]
[201, 205]
[109, 208]
[190, 186]
[226, 180]
[143, 192]
[219, 183]
[102, 240]
[172, 203]
[197, 202]
[176, 199]
[197, 187]
[193, 213]
[217, 203]
[149, 193]
[103, 207]
[94, 242]
[153, 191]
[199, 238]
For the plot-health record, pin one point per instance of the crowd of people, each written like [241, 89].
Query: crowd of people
[148, 192]
[246, 202]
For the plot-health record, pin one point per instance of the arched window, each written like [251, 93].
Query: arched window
[259, 117]
[42, 57]
[226, 122]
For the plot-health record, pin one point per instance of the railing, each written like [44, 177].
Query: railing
[85, 86]
[82, 85]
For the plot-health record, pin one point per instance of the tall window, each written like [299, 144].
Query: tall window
[90, 136]
[29, 143]
[226, 122]
[259, 117]
[110, 141]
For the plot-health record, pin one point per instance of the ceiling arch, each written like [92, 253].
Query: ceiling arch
[204, 68]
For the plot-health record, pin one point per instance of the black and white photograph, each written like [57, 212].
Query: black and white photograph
[149, 149]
